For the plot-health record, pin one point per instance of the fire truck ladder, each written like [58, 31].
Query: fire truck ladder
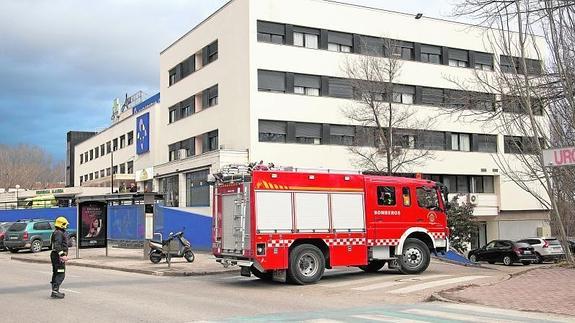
[240, 221]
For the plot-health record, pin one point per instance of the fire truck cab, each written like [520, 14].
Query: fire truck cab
[292, 225]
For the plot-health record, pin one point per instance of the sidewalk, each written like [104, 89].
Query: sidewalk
[132, 260]
[548, 290]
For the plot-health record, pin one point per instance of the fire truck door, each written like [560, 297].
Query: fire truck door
[386, 209]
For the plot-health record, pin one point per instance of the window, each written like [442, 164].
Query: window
[122, 141]
[508, 64]
[102, 150]
[405, 139]
[450, 181]
[308, 133]
[86, 157]
[108, 171]
[271, 32]
[272, 131]
[341, 135]
[212, 140]
[403, 94]
[188, 66]
[457, 99]
[115, 169]
[533, 66]
[458, 57]
[210, 96]
[340, 88]
[477, 184]
[173, 155]
[339, 42]
[431, 54]
[187, 107]
[427, 198]
[173, 114]
[307, 84]
[483, 61]
[198, 189]
[91, 154]
[122, 168]
[212, 51]
[96, 175]
[386, 195]
[169, 186]
[130, 167]
[521, 145]
[96, 152]
[130, 138]
[432, 96]
[370, 46]
[271, 81]
[81, 158]
[85, 178]
[172, 76]
[102, 172]
[482, 101]
[406, 196]
[42, 226]
[115, 144]
[91, 176]
[487, 143]
[81, 180]
[306, 37]
[460, 141]
[402, 49]
[462, 184]
[514, 104]
[189, 145]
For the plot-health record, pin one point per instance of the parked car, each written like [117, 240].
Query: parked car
[32, 234]
[3, 228]
[546, 249]
[572, 245]
[505, 251]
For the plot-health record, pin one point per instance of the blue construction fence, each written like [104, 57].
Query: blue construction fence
[69, 213]
[127, 222]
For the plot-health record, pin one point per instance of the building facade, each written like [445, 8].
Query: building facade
[263, 80]
[73, 138]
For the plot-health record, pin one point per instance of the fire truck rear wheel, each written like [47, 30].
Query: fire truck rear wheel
[306, 264]
[373, 266]
[415, 257]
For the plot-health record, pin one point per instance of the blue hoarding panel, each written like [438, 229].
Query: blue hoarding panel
[143, 134]
[70, 213]
[126, 222]
[197, 227]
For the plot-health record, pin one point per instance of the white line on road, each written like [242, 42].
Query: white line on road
[383, 318]
[498, 311]
[323, 321]
[69, 291]
[423, 286]
[49, 273]
[398, 282]
[455, 316]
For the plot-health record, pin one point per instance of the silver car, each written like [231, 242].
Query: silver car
[546, 249]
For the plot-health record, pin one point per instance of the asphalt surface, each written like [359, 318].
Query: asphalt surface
[96, 295]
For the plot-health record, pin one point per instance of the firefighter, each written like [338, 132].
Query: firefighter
[59, 255]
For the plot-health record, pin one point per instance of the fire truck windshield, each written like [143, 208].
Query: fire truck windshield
[427, 198]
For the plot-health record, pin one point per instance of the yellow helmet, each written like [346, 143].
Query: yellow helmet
[61, 223]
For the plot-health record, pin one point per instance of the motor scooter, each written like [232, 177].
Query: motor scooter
[175, 246]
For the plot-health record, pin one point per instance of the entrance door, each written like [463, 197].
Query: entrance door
[479, 239]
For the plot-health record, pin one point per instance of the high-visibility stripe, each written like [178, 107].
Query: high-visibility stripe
[61, 270]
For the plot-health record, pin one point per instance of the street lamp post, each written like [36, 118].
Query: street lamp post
[112, 170]
[17, 189]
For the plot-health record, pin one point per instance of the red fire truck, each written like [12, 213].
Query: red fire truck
[292, 225]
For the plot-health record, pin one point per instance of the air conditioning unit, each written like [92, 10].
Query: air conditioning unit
[182, 154]
[473, 198]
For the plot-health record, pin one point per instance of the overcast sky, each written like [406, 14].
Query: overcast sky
[62, 62]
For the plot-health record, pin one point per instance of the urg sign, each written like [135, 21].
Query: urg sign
[559, 157]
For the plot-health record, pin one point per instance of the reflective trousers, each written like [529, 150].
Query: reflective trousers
[58, 271]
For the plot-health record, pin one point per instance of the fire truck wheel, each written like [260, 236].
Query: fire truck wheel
[268, 275]
[306, 264]
[373, 266]
[415, 257]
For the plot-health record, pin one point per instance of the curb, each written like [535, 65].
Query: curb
[453, 262]
[134, 270]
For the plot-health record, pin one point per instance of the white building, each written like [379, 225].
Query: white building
[125, 148]
[263, 80]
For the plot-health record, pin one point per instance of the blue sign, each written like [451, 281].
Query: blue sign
[143, 134]
[146, 104]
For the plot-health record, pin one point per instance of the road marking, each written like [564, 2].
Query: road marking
[455, 316]
[383, 318]
[50, 274]
[423, 286]
[69, 291]
[398, 282]
[497, 311]
[323, 321]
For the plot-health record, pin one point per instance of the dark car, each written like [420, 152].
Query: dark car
[32, 234]
[505, 251]
[3, 228]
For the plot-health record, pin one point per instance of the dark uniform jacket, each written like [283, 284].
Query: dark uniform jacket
[60, 242]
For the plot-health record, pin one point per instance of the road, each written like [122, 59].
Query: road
[95, 295]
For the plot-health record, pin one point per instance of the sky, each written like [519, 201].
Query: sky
[62, 62]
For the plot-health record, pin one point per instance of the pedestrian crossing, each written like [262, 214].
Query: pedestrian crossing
[415, 313]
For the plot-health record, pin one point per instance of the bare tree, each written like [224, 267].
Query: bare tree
[535, 107]
[396, 143]
[28, 166]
